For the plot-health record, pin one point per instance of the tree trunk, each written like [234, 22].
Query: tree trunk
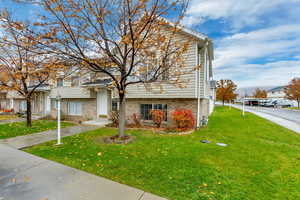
[122, 115]
[298, 104]
[28, 112]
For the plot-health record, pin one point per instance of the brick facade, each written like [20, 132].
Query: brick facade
[133, 106]
[89, 109]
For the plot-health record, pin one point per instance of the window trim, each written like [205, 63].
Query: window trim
[76, 103]
[153, 105]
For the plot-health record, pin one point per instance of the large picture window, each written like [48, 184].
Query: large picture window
[75, 108]
[146, 110]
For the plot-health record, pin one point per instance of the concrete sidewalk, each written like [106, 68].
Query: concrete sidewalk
[38, 138]
[26, 177]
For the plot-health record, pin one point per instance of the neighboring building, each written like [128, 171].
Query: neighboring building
[276, 93]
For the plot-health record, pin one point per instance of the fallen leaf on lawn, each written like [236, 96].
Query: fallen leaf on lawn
[99, 154]
[26, 179]
[203, 185]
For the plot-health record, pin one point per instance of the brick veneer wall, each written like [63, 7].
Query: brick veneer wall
[133, 106]
[89, 109]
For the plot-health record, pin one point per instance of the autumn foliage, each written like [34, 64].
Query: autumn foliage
[226, 91]
[158, 116]
[260, 94]
[184, 119]
[129, 41]
[292, 91]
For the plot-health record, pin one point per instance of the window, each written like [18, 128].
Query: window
[23, 106]
[75, 81]
[146, 108]
[60, 82]
[74, 108]
[145, 111]
[114, 105]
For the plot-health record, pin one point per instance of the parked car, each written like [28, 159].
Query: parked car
[278, 103]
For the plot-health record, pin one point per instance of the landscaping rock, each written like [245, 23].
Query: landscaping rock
[205, 141]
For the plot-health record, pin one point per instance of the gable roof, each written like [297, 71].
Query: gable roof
[276, 89]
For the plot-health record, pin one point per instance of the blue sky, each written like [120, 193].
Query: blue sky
[257, 42]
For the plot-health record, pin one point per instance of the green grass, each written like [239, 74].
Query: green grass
[8, 117]
[20, 128]
[294, 108]
[261, 162]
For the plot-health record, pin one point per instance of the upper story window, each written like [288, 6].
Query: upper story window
[60, 82]
[75, 81]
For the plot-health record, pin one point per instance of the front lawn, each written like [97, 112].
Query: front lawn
[261, 161]
[20, 128]
[8, 117]
[294, 108]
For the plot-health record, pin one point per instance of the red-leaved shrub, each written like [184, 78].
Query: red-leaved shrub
[183, 118]
[158, 116]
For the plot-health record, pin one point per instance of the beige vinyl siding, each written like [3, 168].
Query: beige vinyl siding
[165, 90]
[72, 92]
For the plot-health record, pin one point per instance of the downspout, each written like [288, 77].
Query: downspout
[198, 87]
[199, 59]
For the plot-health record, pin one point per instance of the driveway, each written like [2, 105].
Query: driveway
[284, 117]
[27, 177]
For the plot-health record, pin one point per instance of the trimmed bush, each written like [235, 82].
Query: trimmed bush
[184, 119]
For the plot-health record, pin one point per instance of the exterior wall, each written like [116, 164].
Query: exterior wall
[4, 102]
[72, 92]
[276, 94]
[133, 106]
[170, 90]
[89, 109]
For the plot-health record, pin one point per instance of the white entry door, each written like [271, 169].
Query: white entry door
[47, 104]
[102, 103]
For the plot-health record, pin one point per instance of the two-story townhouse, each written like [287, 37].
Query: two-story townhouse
[81, 101]
[40, 103]
[198, 95]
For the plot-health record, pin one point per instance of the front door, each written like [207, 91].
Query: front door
[102, 103]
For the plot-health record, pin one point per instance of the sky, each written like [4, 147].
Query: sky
[257, 42]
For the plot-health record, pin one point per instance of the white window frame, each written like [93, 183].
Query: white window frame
[76, 110]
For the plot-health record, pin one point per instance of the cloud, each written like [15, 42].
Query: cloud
[239, 13]
[272, 43]
[267, 74]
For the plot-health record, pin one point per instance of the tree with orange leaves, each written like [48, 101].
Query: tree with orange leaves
[226, 91]
[21, 62]
[292, 91]
[129, 41]
[260, 93]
